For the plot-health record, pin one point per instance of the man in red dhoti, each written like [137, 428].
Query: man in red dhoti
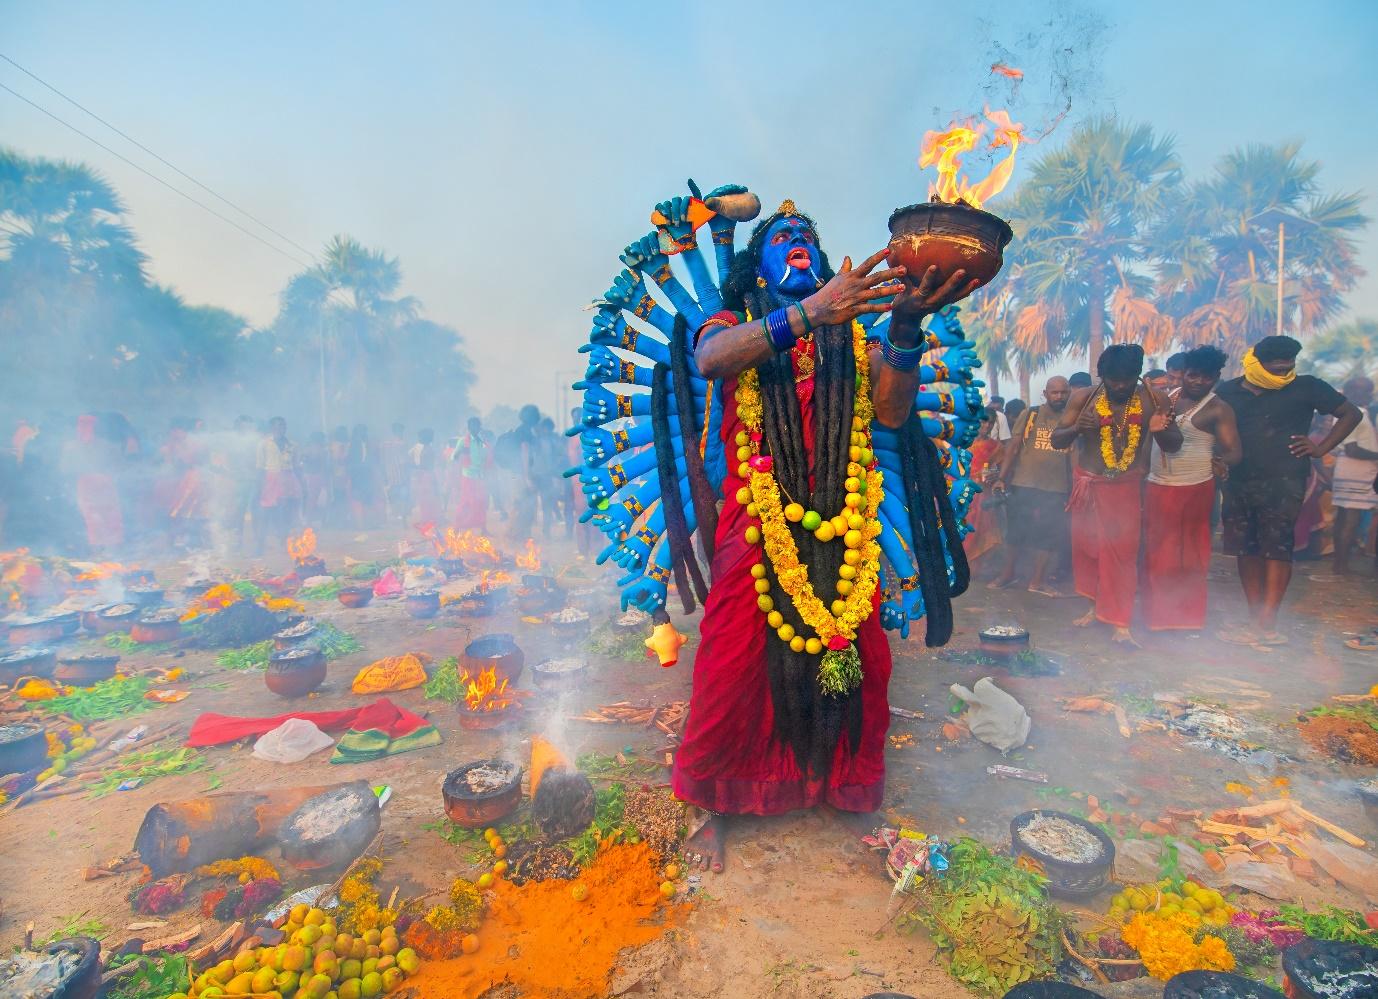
[1107, 423]
[773, 727]
[1179, 495]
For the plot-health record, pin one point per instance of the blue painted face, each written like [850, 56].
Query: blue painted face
[790, 260]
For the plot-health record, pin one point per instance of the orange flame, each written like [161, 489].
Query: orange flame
[945, 150]
[468, 545]
[101, 570]
[484, 692]
[531, 560]
[303, 546]
[490, 578]
[1009, 71]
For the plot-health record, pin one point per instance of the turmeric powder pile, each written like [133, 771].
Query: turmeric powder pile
[544, 941]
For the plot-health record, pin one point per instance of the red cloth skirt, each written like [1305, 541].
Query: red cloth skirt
[99, 504]
[730, 760]
[1177, 554]
[279, 488]
[1106, 521]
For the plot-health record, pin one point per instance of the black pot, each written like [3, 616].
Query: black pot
[23, 746]
[1329, 969]
[144, 597]
[1216, 985]
[28, 661]
[83, 671]
[1050, 990]
[423, 605]
[295, 673]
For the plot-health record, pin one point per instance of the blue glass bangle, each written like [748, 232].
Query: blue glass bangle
[777, 325]
[899, 358]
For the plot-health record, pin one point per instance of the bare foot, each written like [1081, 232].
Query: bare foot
[1086, 620]
[1003, 583]
[708, 846]
[1123, 636]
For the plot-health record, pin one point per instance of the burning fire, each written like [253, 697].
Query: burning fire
[100, 570]
[945, 150]
[303, 546]
[21, 576]
[1007, 71]
[531, 560]
[490, 579]
[485, 693]
[468, 545]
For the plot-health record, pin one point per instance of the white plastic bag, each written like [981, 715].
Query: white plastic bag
[993, 716]
[291, 742]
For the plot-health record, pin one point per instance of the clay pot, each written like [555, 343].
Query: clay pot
[90, 618]
[499, 651]
[29, 661]
[107, 623]
[309, 567]
[356, 596]
[35, 631]
[558, 679]
[1329, 969]
[289, 638]
[950, 236]
[83, 671]
[144, 597]
[149, 632]
[295, 673]
[486, 721]
[474, 811]
[70, 623]
[424, 604]
[22, 747]
[138, 577]
[1004, 646]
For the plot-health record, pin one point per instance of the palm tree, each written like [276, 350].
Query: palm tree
[1081, 220]
[1218, 269]
[1343, 351]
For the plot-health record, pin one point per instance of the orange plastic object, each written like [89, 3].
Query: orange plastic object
[665, 643]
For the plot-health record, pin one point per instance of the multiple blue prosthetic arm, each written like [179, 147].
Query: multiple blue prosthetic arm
[632, 333]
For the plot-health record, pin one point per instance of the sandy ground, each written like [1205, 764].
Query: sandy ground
[801, 910]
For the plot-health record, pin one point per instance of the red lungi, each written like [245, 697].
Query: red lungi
[730, 760]
[1177, 553]
[99, 504]
[1105, 542]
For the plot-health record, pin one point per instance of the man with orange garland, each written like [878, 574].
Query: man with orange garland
[1107, 422]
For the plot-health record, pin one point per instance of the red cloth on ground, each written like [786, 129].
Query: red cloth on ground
[1177, 554]
[1106, 522]
[212, 729]
[730, 761]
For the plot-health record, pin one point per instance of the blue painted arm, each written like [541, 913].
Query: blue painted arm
[945, 325]
[632, 551]
[680, 232]
[610, 329]
[605, 366]
[599, 445]
[598, 484]
[644, 256]
[724, 232]
[601, 406]
[646, 589]
[629, 292]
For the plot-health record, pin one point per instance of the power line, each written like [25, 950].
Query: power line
[200, 204]
[125, 135]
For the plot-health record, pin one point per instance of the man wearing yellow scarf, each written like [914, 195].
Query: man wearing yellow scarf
[1274, 407]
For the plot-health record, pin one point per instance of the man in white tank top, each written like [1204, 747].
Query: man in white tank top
[1179, 495]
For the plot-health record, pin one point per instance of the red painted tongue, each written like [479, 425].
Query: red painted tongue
[799, 258]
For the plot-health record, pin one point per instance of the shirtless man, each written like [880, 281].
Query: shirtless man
[1110, 424]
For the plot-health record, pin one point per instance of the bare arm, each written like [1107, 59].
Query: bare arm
[1347, 417]
[1077, 416]
[1228, 447]
[1013, 447]
[724, 353]
[1166, 432]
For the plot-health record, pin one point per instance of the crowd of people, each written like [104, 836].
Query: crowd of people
[1114, 488]
[94, 486]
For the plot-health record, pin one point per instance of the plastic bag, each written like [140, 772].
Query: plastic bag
[291, 742]
[993, 716]
[387, 585]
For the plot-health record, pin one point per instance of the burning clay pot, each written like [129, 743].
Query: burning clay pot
[28, 661]
[499, 651]
[34, 630]
[356, 596]
[950, 236]
[492, 792]
[423, 604]
[296, 672]
[485, 721]
[144, 596]
[290, 638]
[116, 617]
[83, 671]
[308, 567]
[22, 747]
[161, 626]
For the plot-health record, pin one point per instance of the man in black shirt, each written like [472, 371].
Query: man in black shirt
[1274, 407]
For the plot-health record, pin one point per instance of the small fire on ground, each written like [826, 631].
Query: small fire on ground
[303, 546]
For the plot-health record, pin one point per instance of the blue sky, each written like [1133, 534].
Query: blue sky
[506, 152]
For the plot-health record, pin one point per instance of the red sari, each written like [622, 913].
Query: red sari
[730, 760]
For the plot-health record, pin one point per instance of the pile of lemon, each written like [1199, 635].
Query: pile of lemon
[1207, 903]
[315, 962]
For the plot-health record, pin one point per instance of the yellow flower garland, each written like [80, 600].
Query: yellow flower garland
[774, 531]
[1135, 407]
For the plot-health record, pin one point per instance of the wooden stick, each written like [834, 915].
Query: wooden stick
[1328, 826]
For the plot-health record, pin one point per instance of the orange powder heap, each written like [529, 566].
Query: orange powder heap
[538, 938]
